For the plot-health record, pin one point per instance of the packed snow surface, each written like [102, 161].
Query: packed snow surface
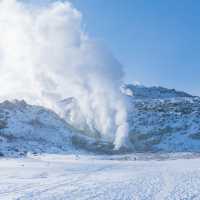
[73, 177]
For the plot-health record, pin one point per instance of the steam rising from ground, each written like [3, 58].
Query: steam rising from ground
[45, 57]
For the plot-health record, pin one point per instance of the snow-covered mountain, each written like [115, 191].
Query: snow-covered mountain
[159, 119]
[163, 119]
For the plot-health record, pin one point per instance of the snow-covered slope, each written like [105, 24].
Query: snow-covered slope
[159, 119]
[25, 128]
[163, 119]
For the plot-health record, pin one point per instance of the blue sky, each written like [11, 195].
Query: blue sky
[158, 42]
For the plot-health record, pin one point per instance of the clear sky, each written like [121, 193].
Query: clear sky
[157, 41]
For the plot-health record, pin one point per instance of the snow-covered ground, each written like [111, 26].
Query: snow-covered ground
[73, 177]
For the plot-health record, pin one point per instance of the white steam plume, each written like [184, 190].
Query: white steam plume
[45, 56]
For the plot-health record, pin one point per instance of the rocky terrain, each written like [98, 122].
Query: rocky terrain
[163, 120]
[160, 120]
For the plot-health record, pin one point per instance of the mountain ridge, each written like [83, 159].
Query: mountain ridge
[153, 92]
[160, 119]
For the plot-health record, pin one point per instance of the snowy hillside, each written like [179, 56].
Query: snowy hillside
[159, 119]
[25, 128]
[163, 119]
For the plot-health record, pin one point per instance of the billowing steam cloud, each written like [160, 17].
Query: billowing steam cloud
[45, 57]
